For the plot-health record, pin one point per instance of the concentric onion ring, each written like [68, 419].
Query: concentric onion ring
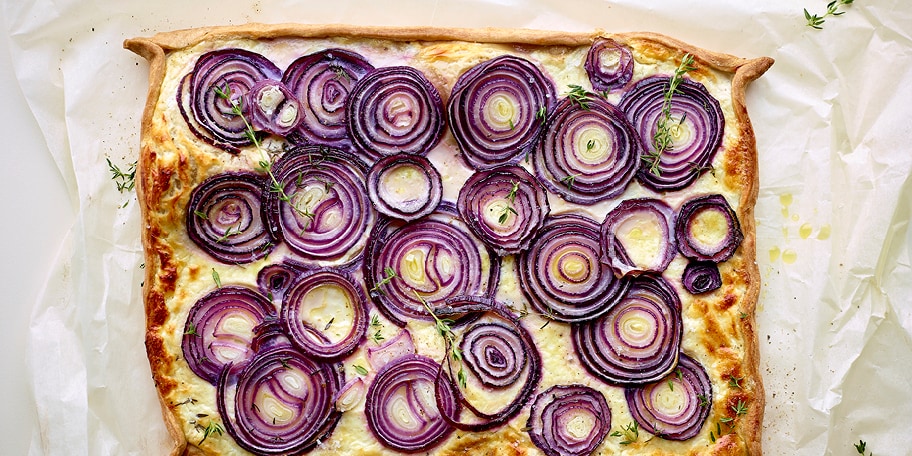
[697, 126]
[561, 274]
[328, 214]
[638, 339]
[281, 403]
[392, 110]
[404, 186]
[219, 79]
[675, 407]
[707, 229]
[274, 280]
[225, 218]
[220, 329]
[569, 420]
[608, 64]
[701, 277]
[322, 82]
[638, 236]
[589, 154]
[311, 313]
[401, 407]
[436, 257]
[271, 107]
[496, 110]
[504, 206]
[490, 351]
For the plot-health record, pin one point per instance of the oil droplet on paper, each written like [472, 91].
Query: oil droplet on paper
[824, 232]
[774, 254]
[786, 200]
[789, 256]
[805, 231]
[794, 217]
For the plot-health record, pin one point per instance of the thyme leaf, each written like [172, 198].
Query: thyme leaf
[579, 96]
[629, 433]
[816, 22]
[663, 139]
[124, 180]
[210, 429]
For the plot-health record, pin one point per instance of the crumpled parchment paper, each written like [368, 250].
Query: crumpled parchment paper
[834, 239]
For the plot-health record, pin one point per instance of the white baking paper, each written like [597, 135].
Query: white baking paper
[834, 243]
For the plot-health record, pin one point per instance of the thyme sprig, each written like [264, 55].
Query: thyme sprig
[663, 140]
[815, 21]
[265, 163]
[629, 433]
[124, 180]
[210, 429]
[860, 447]
[509, 207]
[376, 328]
[579, 96]
[390, 275]
[443, 326]
[569, 179]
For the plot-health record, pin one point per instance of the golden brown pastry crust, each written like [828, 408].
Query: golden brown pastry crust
[164, 184]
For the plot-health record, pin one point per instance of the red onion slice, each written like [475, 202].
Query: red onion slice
[638, 339]
[697, 130]
[401, 409]
[232, 72]
[325, 314]
[674, 407]
[225, 218]
[701, 277]
[322, 82]
[561, 274]
[274, 280]
[435, 256]
[587, 154]
[608, 64]
[220, 330]
[404, 186]
[707, 229]
[328, 215]
[638, 236]
[271, 107]
[392, 110]
[281, 403]
[504, 206]
[496, 110]
[569, 420]
[396, 347]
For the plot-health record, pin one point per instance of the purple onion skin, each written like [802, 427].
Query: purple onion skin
[226, 218]
[485, 144]
[693, 380]
[701, 277]
[563, 162]
[571, 298]
[273, 121]
[689, 247]
[617, 76]
[682, 164]
[411, 211]
[219, 79]
[615, 253]
[544, 420]
[382, 120]
[322, 82]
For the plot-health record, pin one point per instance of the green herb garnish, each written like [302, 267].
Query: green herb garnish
[740, 408]
[390, 275]
[216, 278]
[663, 139]
[735, 382]
[579, 96]
[210, 429]
[443, 327]
[815, 21]
[360, 369]
[125, 180]
[630, 433]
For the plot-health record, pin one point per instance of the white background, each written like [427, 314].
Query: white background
[832, 118]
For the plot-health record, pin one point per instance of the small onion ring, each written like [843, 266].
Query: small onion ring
[392, 110]
[271, 107]
[225, 218]
[701, 277]
[401, 408]
[608, 64]
[220, 330]
[299, 392]
[234, 72]
[553, 432]
[322, 82]
[274, 280]
[494, 110]
[404, 186]
[504, 206]
[698, 124]
[638, 339]
[436, 257]
[561, 274]
[328, 215]
[587, 154]
[328, 288]
[673, 412]
[638, 236]
[707, 229]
